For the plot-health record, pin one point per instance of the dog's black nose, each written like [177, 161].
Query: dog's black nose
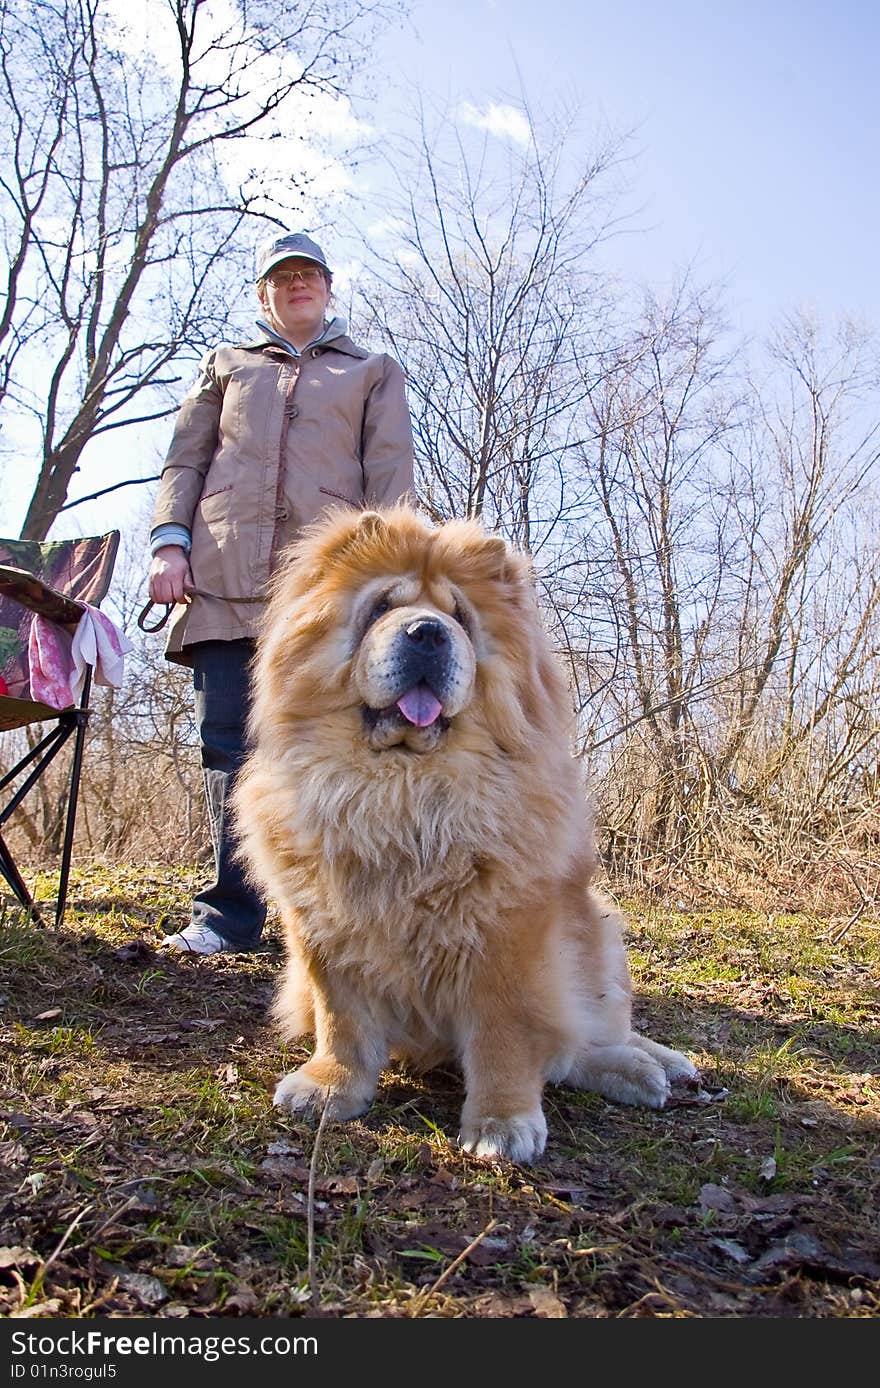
[428, 635]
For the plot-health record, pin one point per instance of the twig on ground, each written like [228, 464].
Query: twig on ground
[310, 1202]
[112, 1218]
[837, 935]
[456, 1263]
[67, 1233]
[37, 1284]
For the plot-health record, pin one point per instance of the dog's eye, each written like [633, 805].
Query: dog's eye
[461, 617]
[379, 608]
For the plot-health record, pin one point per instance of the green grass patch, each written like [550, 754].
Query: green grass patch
[136, 1126]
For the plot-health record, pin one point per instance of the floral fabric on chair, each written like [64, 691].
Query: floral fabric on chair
[55, 580]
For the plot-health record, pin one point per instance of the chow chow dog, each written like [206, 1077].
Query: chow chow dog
[412, 805]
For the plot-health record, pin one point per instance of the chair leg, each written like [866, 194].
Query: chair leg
[71, 722]
[19, 888]
[82, 718]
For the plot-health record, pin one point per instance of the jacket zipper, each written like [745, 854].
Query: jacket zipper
[282, 451]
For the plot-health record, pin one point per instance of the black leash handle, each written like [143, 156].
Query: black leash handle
[169, 607]
[158, 625]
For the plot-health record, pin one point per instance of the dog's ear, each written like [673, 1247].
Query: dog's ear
[479, 555]
[333, 535]
[371, 526]
[501, 558]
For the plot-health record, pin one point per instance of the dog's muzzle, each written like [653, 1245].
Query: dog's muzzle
[416, 671]
[423, 669]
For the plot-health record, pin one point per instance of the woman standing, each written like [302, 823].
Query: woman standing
[272, 433]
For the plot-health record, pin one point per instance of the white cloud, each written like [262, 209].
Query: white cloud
[507, 122]
[296, 139]
[386, 227]
[143, 29]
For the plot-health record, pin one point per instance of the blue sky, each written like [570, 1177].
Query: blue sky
[756, 127]
[755, 147]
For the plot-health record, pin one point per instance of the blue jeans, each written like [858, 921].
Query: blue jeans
[231, 905]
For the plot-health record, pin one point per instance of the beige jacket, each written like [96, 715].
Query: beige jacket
[264, 442]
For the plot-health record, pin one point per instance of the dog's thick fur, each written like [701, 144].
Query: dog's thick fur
[412, 805]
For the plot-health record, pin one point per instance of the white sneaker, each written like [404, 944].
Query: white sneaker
[196, 939]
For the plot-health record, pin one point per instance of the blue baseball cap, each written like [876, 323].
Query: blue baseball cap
[271, 253]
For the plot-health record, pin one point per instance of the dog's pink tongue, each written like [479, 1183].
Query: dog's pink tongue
[419, 706]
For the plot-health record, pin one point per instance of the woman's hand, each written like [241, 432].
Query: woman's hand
[171, 577]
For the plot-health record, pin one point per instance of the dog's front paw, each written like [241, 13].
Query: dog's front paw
[521, 1137]
[679, 1070]
[627, 1074]
[304, 1095]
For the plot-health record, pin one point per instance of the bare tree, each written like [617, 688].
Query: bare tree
[132, 144]
[746, 588]
[659, 423]
[486, 295]
[812, 585]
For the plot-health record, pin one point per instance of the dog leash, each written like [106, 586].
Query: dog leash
[170, 606]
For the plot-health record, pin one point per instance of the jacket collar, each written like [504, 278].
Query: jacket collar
[333, 335]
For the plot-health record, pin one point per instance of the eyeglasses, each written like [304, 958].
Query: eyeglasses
[284, 279]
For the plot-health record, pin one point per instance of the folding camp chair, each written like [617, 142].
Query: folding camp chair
[55, 579]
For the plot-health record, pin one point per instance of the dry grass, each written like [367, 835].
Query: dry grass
[147, 1173]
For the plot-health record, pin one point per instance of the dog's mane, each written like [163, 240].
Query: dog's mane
[507, 765]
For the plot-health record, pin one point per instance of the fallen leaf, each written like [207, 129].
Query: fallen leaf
[433, 1242]
[42, 1308]
[18, 1258]
[283, 1149]
[670, 1216]
[498, 1305]
[243, 1299]
[148, 1290]
[137, 952]
[731, 1249]
[797, 1247]
[338, 1185]
[782, 1202]
[184, 1255]
[858, 1262]
[285, 1169]
[19, 1121]
[573, 1194]
[144, 1198]
[48, 1015]
[768, 1169]
[547, 1303]
[717, 1198]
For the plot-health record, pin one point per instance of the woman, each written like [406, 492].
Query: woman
[272, 433]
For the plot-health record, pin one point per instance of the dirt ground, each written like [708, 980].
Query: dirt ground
[145, 1172]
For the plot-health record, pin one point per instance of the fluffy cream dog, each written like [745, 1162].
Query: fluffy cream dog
[412, 805]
